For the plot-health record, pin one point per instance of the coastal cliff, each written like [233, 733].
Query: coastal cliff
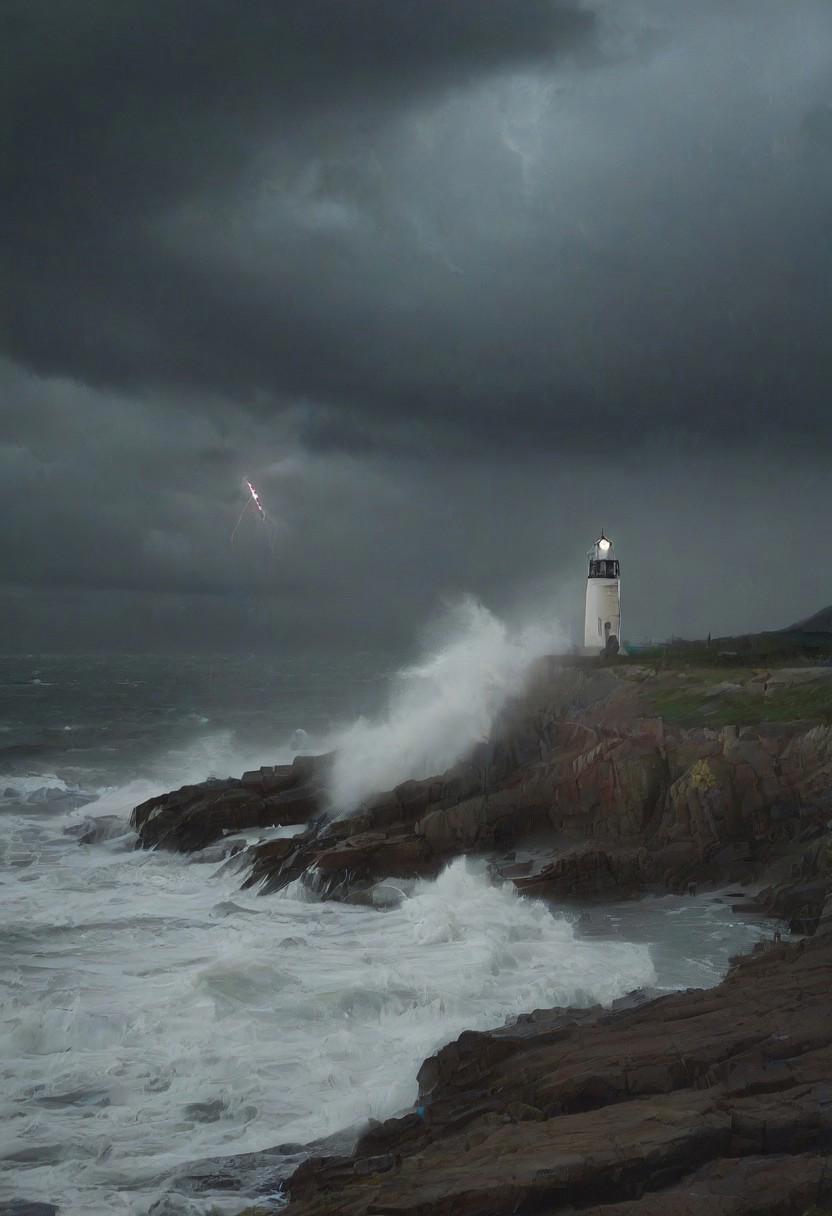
[603, 781]
[702, 1103]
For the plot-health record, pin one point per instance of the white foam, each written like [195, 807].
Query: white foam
[32, 786]
[440, 708]
[131, 976]
[213, 754]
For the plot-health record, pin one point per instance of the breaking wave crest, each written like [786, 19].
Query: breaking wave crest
[212, 1022]
[32, 787]
[439, 708]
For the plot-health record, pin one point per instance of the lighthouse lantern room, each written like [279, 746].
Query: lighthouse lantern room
[602, 629]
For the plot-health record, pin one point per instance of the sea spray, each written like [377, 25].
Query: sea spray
[441, 707]
[166, 1017]
[152, 1014]
[214, 753]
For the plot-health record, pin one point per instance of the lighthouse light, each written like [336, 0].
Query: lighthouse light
[602, 623]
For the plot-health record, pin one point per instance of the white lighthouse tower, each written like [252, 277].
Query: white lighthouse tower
[602, 628]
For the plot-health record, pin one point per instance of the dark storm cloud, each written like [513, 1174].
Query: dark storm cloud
[455, 283]
[117, 532]
[523, 222]
[120, 112]
[285, 203]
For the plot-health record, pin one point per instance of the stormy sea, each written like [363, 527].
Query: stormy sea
[154, 1016]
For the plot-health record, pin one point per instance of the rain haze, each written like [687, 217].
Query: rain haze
[454, 285]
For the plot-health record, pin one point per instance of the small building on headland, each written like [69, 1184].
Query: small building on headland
[602, 622]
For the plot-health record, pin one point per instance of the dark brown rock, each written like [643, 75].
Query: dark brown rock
[644, 805]
[23, 1207]
[695, 1103]
[714, 1103]
[588, 873]
[739, 1186]
[197, 815]
[293, 806]
[624, 800]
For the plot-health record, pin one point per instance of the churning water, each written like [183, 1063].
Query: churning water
[154, 1015]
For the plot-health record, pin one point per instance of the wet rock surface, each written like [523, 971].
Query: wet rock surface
[595, 805]
[195, 816]
[95, 831]
[255, 1176]
[600, 801]
[703, 1103]
[698, 1102]
[21, 1207]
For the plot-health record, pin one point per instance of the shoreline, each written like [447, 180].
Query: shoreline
[710, 1100]
[259, 1176]
[582, 798]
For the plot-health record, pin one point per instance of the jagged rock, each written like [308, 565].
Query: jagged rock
[268, 856]
[824, 926]
[624, 800]
[803, 899]
[197, 815]
[643, 806]
[587, 873]
[95, 831]
[294, 806]
[22, 1207]
[738, 1186]
[694, 1103]
[714, 1103]
[221, 851]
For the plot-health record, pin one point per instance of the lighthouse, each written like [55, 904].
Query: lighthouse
[602, 628]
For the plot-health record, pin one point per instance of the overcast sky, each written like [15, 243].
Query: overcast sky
[455, 284]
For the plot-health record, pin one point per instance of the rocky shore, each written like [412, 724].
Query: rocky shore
[703, 1103]
[578, 795]
[603, 781]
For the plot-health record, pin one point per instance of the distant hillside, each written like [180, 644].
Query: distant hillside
[821, 622]
[808, 641]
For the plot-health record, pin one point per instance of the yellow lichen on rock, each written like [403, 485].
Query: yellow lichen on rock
[702, 776]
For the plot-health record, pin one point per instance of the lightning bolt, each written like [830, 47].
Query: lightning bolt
[256, 498]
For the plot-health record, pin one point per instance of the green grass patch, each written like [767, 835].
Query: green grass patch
[698, 706]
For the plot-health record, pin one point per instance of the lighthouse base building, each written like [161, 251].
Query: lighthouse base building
[602, 623]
